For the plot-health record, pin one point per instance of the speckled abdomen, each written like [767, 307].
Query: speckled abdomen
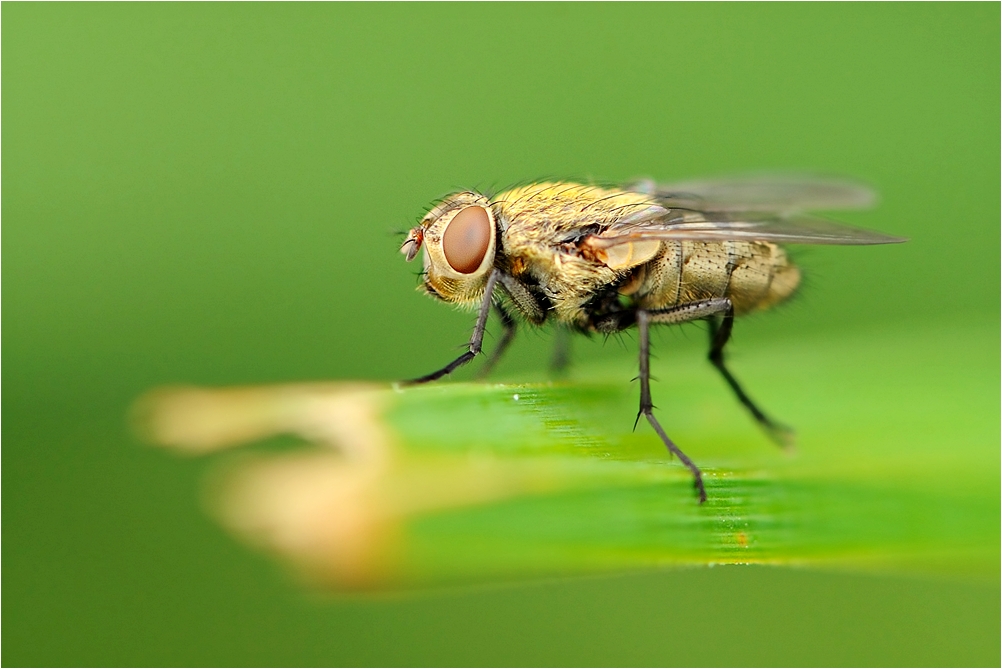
[754, 275]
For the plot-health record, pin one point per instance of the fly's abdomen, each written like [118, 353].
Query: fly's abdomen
[754, 275]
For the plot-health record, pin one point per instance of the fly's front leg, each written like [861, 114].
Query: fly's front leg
[507, 335]
[475, 341]
[647, 406]
[719, 335]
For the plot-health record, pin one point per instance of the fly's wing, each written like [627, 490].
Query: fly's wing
[766, 193]
[657, 223]
[765, 208]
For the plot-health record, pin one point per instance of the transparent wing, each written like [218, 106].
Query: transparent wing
[674, 225]
[772, 193]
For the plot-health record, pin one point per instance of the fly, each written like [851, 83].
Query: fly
[606, 259]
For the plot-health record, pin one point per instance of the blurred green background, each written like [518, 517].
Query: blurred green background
[206, 193]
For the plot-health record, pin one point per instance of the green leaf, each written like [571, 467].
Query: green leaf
[897, 467]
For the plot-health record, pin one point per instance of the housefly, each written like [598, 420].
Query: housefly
[600, 259]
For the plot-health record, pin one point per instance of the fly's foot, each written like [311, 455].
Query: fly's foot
[782, 435]
[674, 450]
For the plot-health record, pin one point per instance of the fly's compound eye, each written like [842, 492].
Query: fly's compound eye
[466, 239]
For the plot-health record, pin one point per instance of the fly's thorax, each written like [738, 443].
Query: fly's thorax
[560, 210]
[566, 279]
[459, 242]
[544, 241]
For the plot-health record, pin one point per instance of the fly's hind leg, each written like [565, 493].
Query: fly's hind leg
[507, 335]
[720, 333]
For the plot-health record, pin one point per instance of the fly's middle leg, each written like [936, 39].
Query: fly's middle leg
[644, 320]
[720, 333]
[561, 359]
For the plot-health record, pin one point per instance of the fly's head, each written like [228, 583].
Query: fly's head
[459, 240]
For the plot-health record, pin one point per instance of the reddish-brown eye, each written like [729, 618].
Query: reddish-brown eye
[466, 239]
